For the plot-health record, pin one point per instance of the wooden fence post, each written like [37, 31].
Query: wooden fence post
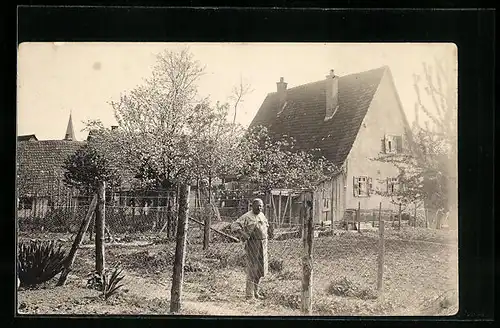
[415, 216]
[279, 210]
[379, 213]
[99, 225]
[399, 217]
[208, 219]
[358, 215]
[381, 251]
[346, 220]
[307, 265]
[180, 248]
[70, 259]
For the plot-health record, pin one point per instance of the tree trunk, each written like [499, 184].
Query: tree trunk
[100, 223]
[180, 247]
[307, 264]
[169, 214]
[208, 218]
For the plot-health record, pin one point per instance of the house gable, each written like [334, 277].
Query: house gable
[385, 117]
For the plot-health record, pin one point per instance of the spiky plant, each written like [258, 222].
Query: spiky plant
[110, 284]
[39, 261]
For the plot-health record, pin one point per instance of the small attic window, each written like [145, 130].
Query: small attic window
[282, 108]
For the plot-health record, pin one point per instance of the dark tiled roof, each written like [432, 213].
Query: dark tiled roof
[303, 116]
[40, 164]
[27, 137]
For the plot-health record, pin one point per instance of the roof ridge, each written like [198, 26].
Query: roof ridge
[305, 120]
[308, 84]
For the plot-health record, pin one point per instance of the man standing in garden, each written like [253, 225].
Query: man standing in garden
[252, 227]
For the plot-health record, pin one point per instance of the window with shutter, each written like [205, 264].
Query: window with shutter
[326, 204]
[361, 186]
[392, 185]
[393, 144]
[387, 140]
[399, 144]
[355, 186]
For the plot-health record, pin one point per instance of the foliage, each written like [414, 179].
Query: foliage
[111, 283]
[345, 287]
[39, 261]
[107, 282]
[276, 265]
[86, 168]
[167, 134]
[273, 162]
[215, 143]
[428, 171]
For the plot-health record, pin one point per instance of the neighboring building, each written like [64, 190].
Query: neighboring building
[352, 119]
[40, 179]
[28, 137]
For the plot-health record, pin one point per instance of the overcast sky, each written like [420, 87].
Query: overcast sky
[55, 79]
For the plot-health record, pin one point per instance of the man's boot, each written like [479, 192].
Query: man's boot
[257, 293]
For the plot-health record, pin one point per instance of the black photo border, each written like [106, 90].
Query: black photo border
[472, 30]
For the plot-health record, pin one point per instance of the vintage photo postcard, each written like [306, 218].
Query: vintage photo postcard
[237, 179]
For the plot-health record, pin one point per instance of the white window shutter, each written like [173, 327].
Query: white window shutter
[383, 144]
[399, 144]
[370, 186]
[355, 186]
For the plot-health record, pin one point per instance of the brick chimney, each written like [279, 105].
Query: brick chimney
[332, 95]
[281, 89]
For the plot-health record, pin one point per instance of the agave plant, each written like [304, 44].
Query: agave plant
[39, 261]
[110, 284]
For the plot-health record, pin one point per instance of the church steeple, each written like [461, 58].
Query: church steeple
[70, 134]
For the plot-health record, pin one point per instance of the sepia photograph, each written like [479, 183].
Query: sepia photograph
[237, 179]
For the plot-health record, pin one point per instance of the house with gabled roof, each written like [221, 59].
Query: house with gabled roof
[40, 172]
[351, 119]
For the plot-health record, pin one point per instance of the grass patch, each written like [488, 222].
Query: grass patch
[276, 265]
[347, 288]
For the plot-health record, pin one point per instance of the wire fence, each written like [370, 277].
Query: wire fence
[345, 254]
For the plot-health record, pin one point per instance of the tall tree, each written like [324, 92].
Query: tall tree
[86, 168]
[238, 95]
[428, 171]
[153, 120]
[271, 162]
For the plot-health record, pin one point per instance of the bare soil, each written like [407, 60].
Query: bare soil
[420, 277]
